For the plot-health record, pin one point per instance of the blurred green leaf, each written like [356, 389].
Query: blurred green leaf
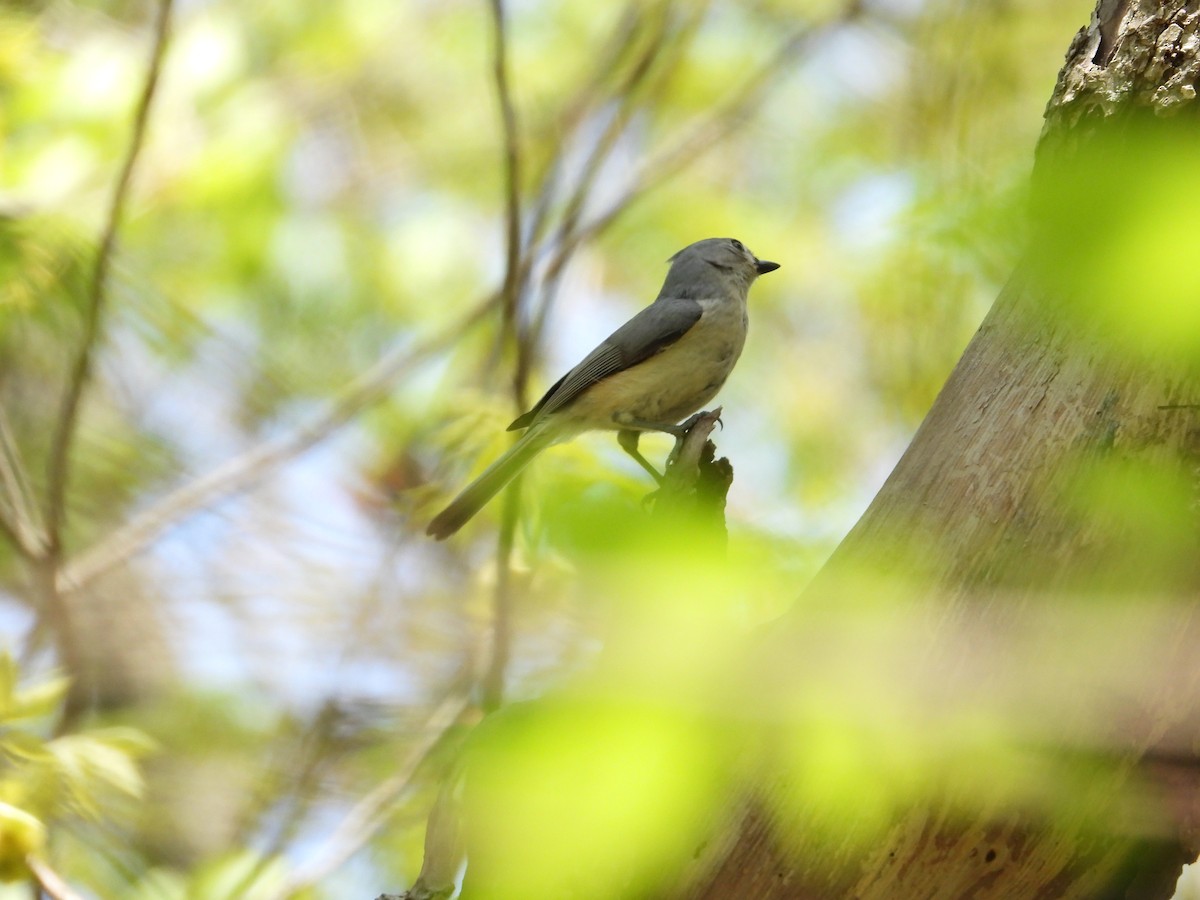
[21, 834]
[36, 701]
[598, 793]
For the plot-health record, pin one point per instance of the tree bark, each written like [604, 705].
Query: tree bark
[1058, 391]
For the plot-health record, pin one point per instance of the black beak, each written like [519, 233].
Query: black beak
[765, 265]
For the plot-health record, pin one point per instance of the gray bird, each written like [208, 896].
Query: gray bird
[662, 365]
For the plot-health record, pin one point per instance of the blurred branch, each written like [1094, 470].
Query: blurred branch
[97, 295]
[512, 181]
[23, 530]
[45, 570]
[51, 883]
[243, 471]
[620, 42]
[629, 95]
[512, 290]
[660, 58]
[730, 115]
[369, 814]
[655, 59]
[738, 106]
[287, 787]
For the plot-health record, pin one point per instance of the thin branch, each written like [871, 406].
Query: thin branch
[54, 618]
[512, 174]
[730, 115]
[512, 291]
[23, 530]
[369, 814]
[68, 417]
[738, 106]
[648, 78]
[629, 96]
[51, 883]
[621, 42]
[244, 471]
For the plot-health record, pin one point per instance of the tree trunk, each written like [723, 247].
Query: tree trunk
[1056, 471]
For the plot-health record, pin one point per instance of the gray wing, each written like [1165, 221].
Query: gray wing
[651, 331]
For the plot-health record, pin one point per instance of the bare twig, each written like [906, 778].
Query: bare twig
[68, 417]
[512, 291]
[512, 173]
[660, 58]
[626, 95]
[51, 883]
[740, 104]
[242, 472]
[45, 567]
[621, 42]
[23, 530]
[369, 814]
[729, 115]
[630, 95]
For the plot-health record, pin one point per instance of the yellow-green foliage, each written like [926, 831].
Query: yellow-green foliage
[50, 781]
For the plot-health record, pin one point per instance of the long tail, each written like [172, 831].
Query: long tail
[476, 494]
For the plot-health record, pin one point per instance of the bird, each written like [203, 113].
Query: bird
[661, 366]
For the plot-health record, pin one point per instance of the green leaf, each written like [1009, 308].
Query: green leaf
[90, 764]
[21, 745]
[20, 835]
[38, 700]
[132, 741]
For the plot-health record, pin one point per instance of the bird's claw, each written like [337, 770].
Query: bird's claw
[691, 421]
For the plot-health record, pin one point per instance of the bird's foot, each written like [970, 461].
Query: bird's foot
[710, 418]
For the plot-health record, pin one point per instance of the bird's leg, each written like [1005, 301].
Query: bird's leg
[628, 436]
[635, 425]
[628, 439]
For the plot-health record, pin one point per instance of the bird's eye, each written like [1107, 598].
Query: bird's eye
[737, 245]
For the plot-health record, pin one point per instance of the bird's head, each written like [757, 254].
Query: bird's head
[726, 259]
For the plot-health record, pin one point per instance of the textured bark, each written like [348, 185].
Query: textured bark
[974, 513]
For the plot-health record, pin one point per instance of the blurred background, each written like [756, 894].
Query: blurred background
[305, 348]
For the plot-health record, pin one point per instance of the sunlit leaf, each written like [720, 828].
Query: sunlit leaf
[21, 834]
